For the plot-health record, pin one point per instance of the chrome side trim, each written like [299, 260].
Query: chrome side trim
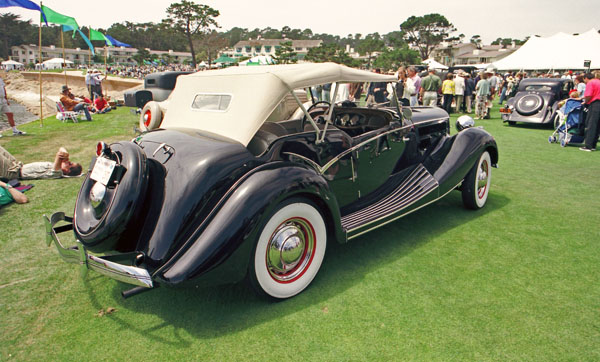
[315, 165]
[78, 255]
[416, 186]
[402, 215]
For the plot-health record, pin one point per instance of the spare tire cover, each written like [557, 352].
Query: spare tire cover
[99, 226]
[529, 104]
[151, 116]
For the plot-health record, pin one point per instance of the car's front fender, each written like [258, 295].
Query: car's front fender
[464, 151]
[238, 219]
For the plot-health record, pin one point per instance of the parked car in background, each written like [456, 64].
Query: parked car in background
[221, 188]
[157, 87]
[537, 101]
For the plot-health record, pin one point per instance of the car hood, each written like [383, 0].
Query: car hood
[189, 173]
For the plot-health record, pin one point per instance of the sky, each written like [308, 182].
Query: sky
[487, 18]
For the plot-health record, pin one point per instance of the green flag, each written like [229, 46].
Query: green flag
[96, 35]
[56, 18]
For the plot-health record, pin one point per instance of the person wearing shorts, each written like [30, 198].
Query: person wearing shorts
[5, 108]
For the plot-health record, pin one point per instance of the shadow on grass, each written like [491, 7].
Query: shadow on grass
[530, 126]
[208, 313]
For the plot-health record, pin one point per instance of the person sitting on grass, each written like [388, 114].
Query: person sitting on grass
[70, 104]
[9, 194]
[11, 168]
[101, 105]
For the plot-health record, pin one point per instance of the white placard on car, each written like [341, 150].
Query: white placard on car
[103, 169]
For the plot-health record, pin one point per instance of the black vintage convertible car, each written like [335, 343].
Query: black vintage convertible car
[217, 190]
[537, 101]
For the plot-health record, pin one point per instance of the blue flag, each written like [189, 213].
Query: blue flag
[85, 38]
[115, 42]
[22, 4]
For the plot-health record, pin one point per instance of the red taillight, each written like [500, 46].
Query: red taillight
[147, 118]
[100, 148]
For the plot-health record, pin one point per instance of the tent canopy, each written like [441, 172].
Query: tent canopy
[224, 59]
[11, 62]
[560, 51]
[432, 63]
[11, 65]
[57, 61]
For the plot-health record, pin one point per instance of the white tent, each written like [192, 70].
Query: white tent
[55, 63]
[11, 65]
[560, 51]
[432, 63]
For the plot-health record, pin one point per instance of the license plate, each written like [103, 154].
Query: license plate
[103, 169]
[505, 110]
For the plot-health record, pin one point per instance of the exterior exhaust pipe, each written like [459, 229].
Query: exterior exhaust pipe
[134, 291]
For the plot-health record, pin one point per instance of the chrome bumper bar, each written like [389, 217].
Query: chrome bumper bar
[103, 265]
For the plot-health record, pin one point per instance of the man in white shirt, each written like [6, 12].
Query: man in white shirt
[412, 74]
[5, 108]
[11, 168]
[459, 90]
[88, 82]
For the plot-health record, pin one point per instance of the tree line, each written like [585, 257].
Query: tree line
[191, 27]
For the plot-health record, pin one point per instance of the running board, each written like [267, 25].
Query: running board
[414, 188]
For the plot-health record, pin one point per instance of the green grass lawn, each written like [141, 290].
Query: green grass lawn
[517, 280]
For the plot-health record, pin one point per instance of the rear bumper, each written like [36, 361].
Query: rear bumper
[108, 265]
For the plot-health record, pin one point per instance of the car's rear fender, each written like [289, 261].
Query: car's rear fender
[465, 149]
[238, 219]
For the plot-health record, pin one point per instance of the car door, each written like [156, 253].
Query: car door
[332, 158]
[377, 153]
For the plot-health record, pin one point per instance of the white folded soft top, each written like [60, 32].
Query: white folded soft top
[236, 101]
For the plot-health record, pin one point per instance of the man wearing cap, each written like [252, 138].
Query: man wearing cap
[430, 87]
[70, 104]
[5, 108]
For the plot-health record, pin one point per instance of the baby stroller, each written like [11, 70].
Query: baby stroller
[572, 126]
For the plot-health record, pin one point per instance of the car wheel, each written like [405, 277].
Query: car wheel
[289, 250]
[476, 185]
[512, 123]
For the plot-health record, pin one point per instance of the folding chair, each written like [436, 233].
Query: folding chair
[64, 115]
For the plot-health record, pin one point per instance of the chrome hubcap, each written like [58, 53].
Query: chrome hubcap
[482, 179]
[290, 249]
[97, 194]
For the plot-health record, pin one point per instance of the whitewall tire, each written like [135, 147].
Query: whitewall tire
[289, 250]
[476, 185]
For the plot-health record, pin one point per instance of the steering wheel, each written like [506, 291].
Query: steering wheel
[312, 107]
